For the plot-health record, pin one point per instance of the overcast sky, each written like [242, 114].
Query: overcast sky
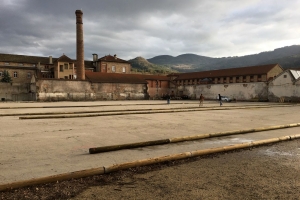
[148, 28]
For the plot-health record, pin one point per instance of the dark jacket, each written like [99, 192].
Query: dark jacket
[220, 98]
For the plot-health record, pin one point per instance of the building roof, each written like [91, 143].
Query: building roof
[295, 74]
[114, 58]
[154, 77]
[99, 77]
[64, 58]
[241, 71]
[24, 59]
[36, 59]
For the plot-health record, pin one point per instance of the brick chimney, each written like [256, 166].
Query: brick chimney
[79, 46]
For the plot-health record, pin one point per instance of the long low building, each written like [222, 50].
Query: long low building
[244, 83]
[261, 73]
[109, 78]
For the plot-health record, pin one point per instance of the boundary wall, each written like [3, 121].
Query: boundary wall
[284, 93]
[16, 92]
[241, 91]
[75, 90]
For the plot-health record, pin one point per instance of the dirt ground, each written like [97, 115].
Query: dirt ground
[265, 172]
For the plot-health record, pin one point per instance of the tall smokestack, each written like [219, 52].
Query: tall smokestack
[79, 46]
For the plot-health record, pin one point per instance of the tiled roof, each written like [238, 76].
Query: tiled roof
[99, 77]
[42, 60]
[64, 58]
[110, 58]
[24, 59]
[154, 77]
[17, 67]
[241, 71]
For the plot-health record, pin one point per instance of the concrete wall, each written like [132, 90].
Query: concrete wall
[16, 92]
[75, 90]
[240, 91]
[63, 90]
[119, 91]
[156, 89]
[284, 87]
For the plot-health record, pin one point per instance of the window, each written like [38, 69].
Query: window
[20, 64]
[15, 74]
[66, 66]
[61, 68]
[284, 76]
[124, 69]
[28, 75]
[6, 63]
[113, 68]
[33, 65]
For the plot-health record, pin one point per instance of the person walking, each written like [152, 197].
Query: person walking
[201, 99]
[220, 99]
[168, 99]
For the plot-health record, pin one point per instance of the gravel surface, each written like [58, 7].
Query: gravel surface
[265, 172]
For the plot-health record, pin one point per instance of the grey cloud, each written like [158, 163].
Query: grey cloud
[146, 28]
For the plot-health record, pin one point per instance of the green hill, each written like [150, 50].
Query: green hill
[141, 65]
[287, 57]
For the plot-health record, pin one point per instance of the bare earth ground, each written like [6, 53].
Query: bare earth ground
[266, 172]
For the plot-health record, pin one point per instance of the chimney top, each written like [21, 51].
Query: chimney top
[95, 57]
[78, 12]
[50, 60]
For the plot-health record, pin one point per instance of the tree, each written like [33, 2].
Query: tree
[6, 77]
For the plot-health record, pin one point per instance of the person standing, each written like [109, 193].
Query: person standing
[220, 99]
[201, 99]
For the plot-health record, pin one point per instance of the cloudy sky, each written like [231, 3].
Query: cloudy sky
[148, 28]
